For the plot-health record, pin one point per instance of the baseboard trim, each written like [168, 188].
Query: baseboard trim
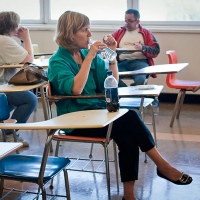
[171, 97]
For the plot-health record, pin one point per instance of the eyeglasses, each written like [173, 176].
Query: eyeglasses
[130, 21]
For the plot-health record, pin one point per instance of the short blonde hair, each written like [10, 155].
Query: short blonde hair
[9, 21]
[68, 24]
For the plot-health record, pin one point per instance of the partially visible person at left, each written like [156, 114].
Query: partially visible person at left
[133, 36]
[11, 52]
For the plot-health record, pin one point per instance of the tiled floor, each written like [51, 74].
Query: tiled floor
[180, 145]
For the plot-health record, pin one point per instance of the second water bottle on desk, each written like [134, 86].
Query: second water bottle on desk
[111, 93]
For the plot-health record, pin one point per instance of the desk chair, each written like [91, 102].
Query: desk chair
[46, 169]
[182, 85]
[31, 168]
[104, 141]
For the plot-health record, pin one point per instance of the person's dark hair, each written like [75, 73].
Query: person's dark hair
[9, 21]
[68, 24]
[134, 12]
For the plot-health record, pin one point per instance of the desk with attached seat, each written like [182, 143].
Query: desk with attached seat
[77, 120]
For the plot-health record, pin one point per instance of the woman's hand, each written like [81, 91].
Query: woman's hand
[23, 33]
[96, 48]
[110, 41]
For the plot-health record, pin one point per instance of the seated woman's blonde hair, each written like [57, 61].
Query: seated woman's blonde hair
[68, 24]
[9, 21]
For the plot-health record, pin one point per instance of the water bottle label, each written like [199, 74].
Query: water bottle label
[111, 95]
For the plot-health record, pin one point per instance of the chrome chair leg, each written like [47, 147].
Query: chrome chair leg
[56, 154]
[116, 164]
[154, 124]
[107, 171]
[1, 187]
[181, 103]
[176, 108]
[44, 193]
[145, 158]
[91, 149]
[67, 184]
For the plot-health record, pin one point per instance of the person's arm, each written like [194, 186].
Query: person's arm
[151, 48]
[112, 44]
[23, 34]
[82, 76]
[113, 66]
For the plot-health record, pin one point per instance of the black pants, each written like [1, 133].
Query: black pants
[130, 133]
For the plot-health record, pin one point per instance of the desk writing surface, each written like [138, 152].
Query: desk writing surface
[7, 148]
[41, 62]
[156, 69]
[44, 53]
[19, 88]
[82, 119]
[131, 91]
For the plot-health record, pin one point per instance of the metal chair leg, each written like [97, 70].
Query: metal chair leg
[116, 164]
[181, 104]
[107, 171]
[44, 195]
[56, 154]
[176, 107]
[15, 139]
[145, 159]
[1, 186]
[67, 184]
[91, 149]
[154, 125]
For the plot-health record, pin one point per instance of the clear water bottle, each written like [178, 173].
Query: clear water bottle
[111, 93]
[108, 54]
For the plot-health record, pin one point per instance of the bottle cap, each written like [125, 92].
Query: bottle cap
[109, 73]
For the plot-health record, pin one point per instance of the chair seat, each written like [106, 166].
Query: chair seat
[27, 167]
[72, 138]
[134, 102]
[184, 84]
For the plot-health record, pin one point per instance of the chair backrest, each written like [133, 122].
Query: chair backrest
[4, 108]
[172, 57]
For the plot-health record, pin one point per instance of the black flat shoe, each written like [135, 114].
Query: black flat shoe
[185, 179]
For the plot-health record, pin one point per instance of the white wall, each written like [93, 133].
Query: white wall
[185, 43]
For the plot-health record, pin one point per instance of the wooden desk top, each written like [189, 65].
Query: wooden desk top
[7, 148]
[19, 88]
[44, 53]
[131, 91]
[81, 119]
[41, 62]
[135, 91]
[156, 69]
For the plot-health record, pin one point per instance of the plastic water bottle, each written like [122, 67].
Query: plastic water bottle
[111, 93]
[108, 54]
